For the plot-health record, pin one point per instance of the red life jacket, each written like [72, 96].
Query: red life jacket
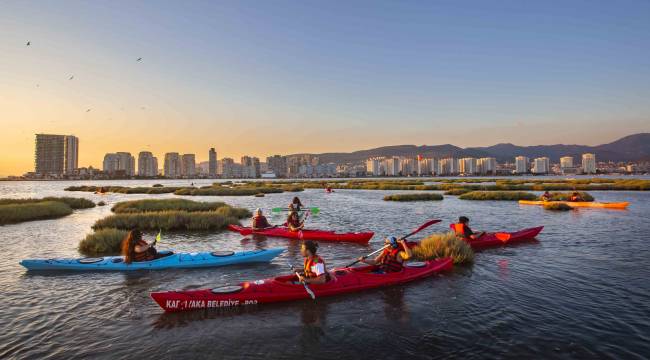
[260, 222]
[389, 261]
[309, 262]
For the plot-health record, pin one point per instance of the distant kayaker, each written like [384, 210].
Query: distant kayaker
[315, 271]
[463, 230]
[575, 197]
[393, 256]
[293, 220]
[546, 196]
[134, 248]
[297, 205]
[259, 220]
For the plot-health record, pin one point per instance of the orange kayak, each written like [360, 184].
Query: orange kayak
[593, 204]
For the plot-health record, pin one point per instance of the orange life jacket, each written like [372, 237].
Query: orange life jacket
[309, 262]
[389, 261]
[459, 229]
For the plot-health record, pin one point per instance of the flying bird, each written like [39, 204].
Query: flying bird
[139, 59]
[71, 77]
[28, 43]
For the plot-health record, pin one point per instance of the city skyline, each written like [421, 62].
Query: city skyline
[286, 77]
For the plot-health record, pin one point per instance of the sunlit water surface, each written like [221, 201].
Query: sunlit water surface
[582, 291]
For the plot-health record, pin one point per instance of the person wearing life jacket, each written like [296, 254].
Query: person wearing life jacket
[393, 256]
[315, 270]
[546, 196]
[462, 229]
[297, 205]
[293, 220]
[575, 197]
[259, 221]
[135, 249]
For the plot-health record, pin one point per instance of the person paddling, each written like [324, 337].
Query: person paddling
[134, 248]
[546, 196]
[315, 271]
[293, 220]
[297, 205]
[259, 221]
[575, 197]
[393, 256]
[463, 230]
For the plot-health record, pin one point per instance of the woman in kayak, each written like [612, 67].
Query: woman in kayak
[546, 196]
[293, 220]
[463, 230]
[315, 271]
[297, 205]
[259, 221]
[134, 248]
[575, 197]
[391, 259]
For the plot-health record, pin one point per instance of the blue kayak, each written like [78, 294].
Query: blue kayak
[169, 260]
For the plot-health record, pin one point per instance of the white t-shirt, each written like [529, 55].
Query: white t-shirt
[318, 269]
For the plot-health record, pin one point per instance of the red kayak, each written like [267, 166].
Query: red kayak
[504, 238]
[281, 231]
[284, 288]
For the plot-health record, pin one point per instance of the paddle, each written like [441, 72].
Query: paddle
[157, 238]
[307, 289]
[422, 227]
[313, 210]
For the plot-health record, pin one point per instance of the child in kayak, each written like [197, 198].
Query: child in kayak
[315, 271]
[393, 256]
[546, 196]
[259, 221]
[575, 197]
[134, 248]
[463, 230]
[293, 220]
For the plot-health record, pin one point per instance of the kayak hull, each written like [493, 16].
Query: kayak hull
[283, 288]
[173, 261]
[504, 238]
[574, 204]
[283, 232]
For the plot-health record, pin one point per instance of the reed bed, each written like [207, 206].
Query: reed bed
[20, 212]
[414, 197]
[557, 207]
[498, 195]
[441, 245]
[102, 242]
[150, 205]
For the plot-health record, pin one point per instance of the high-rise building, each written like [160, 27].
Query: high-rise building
[408, 166]
[392, 166]
[467, 166]
[147, 164]
[56, 154]
[374, 166]
[589, 163]
[250, 167]
[425, 166]
[487, 166]
[521, 165]
[188, 165]
[541, 165]
[448, 166]
[119, 164]
[277, 164]
[212, 158]
[172, 167]
[566, 162]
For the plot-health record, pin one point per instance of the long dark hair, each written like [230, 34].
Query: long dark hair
[311, 246]
[128, 245]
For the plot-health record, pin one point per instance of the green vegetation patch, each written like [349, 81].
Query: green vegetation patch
[558, 206]
[413, 197]
[149, 205]
[559, 196]
[441, 245]
[498, 195]
[20, 212]
[102, 242]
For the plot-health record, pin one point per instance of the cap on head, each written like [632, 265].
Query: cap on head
[393, 241]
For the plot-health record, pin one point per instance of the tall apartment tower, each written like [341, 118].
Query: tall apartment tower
[212, 156]
[56, 154]
[188, 165]
[172, 165]
[521, 165]
[589, 163]
[147, 164]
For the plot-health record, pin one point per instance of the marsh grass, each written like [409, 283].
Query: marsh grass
[498, 195]
[441, 245]
[413, 197]
[558, 196]
[74, 203]
[13, 213]
[225, 191]
[557, 207]
[149, 205]
[102, 242]
[457, 191]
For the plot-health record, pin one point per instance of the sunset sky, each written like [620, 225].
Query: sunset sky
[281, 77]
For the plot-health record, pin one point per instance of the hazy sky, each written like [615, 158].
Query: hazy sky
[266, 77]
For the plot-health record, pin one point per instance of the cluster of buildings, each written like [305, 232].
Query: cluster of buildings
[57, 157]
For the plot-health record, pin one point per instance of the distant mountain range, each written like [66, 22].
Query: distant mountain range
[630, 148]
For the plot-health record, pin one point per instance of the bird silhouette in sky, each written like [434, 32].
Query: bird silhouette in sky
[28, 43]
[71, 77]
[88, 110]
[139, 59]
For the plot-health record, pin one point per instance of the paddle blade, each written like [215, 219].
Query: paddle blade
[422, 227]
[314, 210]
[502, 236]
[158, 236]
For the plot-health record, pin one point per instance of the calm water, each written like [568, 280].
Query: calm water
[582, 291]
